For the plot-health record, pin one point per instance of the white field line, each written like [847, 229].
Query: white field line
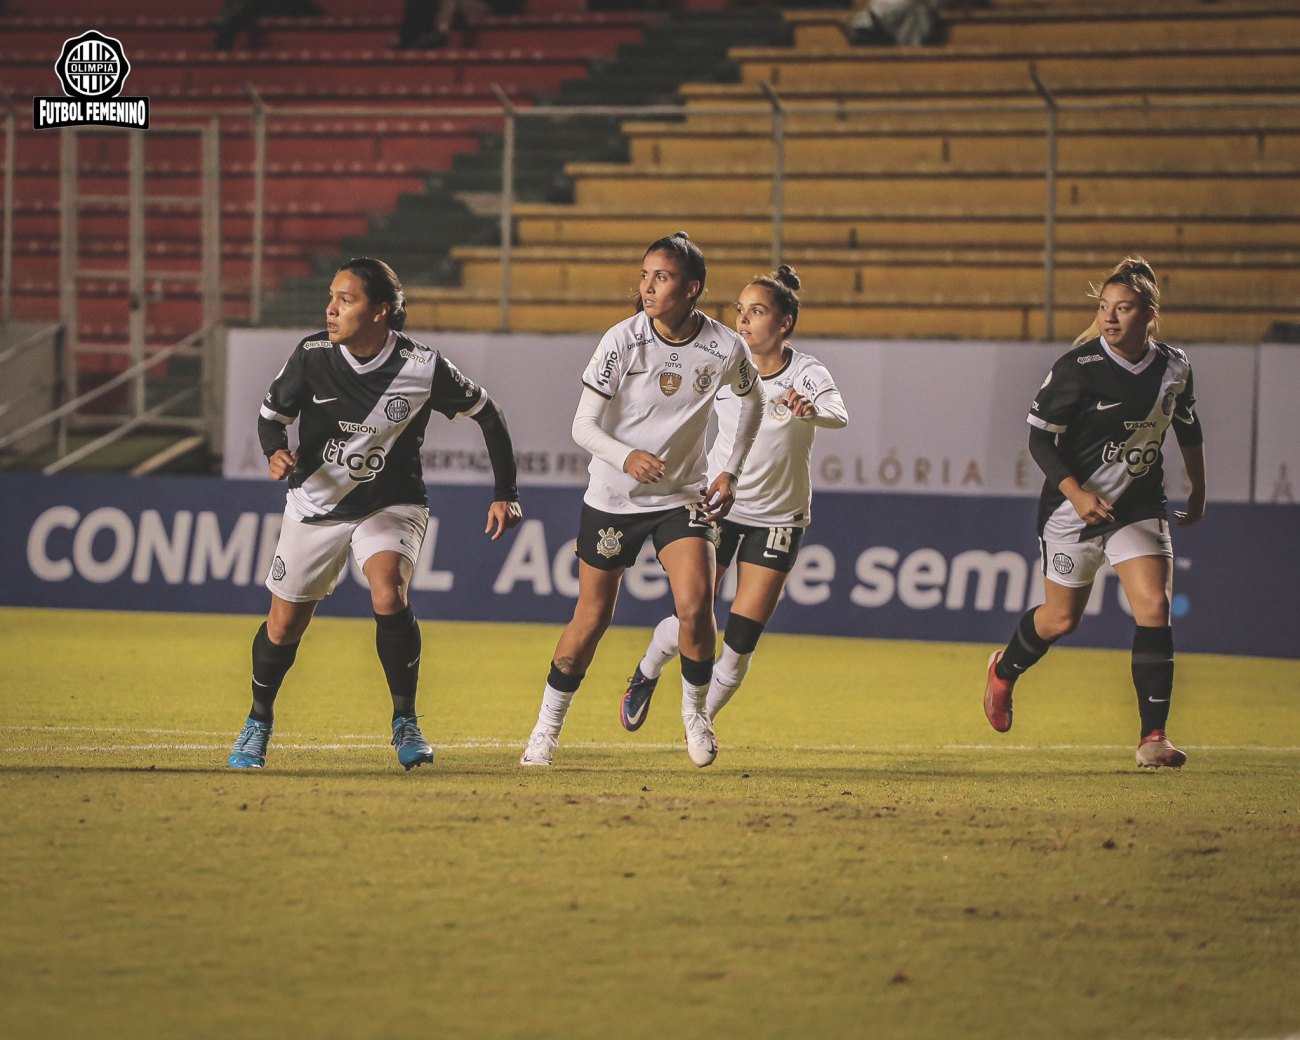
[368, 742]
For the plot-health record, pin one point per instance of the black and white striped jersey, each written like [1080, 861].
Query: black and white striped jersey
[1110, 416]
[361, 423]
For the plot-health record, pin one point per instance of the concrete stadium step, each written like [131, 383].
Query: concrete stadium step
[976, 151]
[1147, 27]
[1265, 279]
[1079, 193]
[903, 70]
[543, 224]
[958, 318]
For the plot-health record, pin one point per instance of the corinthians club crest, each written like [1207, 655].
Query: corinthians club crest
[610, 544]
[703, 381]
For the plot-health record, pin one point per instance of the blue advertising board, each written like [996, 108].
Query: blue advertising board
[877, 565]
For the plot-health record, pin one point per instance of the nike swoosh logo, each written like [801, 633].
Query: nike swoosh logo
[264, 685]
[633, 720]
[1158, 700]
[770, 555]
[1102, 407]
[322, 400]
[412, 664]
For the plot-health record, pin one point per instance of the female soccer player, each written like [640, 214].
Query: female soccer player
[773, 498]
[648, 394]
[1097, 425]
[364, 392]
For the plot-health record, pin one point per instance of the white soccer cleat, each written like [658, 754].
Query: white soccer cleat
[541, 748]
[1156, 751]
[701, 744]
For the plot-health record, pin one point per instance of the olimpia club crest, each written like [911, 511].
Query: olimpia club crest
[92, 70]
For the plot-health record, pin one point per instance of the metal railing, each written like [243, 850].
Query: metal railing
[507, 114]
[58, 416]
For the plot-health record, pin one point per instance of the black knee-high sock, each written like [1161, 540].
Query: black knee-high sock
[270, 664]
[1026, 648]
[397, 638]
[1153, 674]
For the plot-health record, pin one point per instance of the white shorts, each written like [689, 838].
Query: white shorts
[310, 557]
[1075, 564]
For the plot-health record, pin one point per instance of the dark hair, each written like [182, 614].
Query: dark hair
[688, 255]
[1133, 272]
[783, 284]
[382, 286]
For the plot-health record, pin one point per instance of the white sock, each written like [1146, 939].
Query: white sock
[662, 648]
[728, 674]
[693, 698]
[555, 705]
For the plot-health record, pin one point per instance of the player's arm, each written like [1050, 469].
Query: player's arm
[278, 412]
[505, 511]
[748, 388]
[590, 436]
[1092, 508]
[825, 407]
[1191, 442]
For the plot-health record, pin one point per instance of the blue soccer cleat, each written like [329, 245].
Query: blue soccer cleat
[636, 701]
[249, 751]
[412, 749]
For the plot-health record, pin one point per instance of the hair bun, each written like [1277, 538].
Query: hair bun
[785, 274]
[1137, 265]
[680, 234]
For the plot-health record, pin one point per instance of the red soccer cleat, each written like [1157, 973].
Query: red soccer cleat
[1156, 751]
[997, 696]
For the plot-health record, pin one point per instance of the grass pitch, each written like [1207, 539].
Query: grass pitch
[865, 859]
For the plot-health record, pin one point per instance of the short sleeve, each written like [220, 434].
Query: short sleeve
[452, 392]
[1185, 405]
[1057, 402]
[604, 371]
[283, 401]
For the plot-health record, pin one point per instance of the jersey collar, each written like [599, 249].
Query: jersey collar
[370, 364]
[1134, 367]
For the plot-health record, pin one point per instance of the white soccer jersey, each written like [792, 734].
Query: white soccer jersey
[775, 489]
[660, 397]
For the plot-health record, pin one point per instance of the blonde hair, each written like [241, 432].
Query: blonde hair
[1133, 272]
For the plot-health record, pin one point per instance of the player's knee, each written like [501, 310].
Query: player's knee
[696, 619]
[283, 631]
[742, 633]
[1150, 611]
[388, 598]
[1052, 625]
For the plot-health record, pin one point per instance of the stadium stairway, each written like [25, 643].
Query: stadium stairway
[327, 177]
[462, 206]
[915, 178]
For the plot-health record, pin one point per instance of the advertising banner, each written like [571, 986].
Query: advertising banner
[924, 417]
[881, 565]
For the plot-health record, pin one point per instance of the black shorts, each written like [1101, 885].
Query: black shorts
[771, 547]
[609, 541]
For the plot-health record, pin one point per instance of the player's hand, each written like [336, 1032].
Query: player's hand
[1092, 509]
[643, 467]
[282, 463]
[720, 498]
[502, 516]
[800, 407]
[1194, 511]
